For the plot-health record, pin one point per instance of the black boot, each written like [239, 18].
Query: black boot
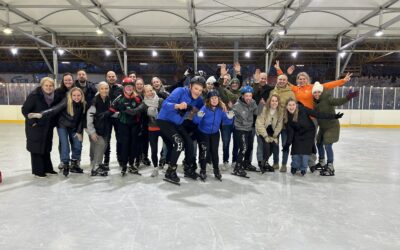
[203, 175]
[239, 171]
[145, 160]
[171, 175]
[162, 162]
[247, 166]
[65, 169]
[190, 171]
[217, 174]
[133, 170]
[100, 170]
[123, 170]
[75, 167]
[106, 166]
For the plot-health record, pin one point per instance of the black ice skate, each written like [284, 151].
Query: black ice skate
[75, 167]
[134, 170]
[65, 169]
[171, 176]
[203, 175]
[239, 171]
[265, 167]
[123, 170]
[217, 174]
[248, 167]
[328, 170]
[99, 171]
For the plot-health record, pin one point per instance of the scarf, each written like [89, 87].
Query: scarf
[49, 98]
[152, 102]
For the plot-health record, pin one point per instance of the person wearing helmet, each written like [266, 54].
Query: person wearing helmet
[209, 120]
[130, 106]
[176, 127]
[245, 109]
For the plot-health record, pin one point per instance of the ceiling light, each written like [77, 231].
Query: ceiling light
[8, 31]
[60, 52]
[342, 54]
[379, 33]
[201, 53]
[294, 54]
[154, 53]
[247, 54]
[14, 51]
[282, 32]
[99, 31]
[107, 52]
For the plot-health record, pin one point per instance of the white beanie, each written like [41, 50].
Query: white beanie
[317, 87]
[211, 79]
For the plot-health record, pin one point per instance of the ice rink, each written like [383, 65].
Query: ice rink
[359, 208]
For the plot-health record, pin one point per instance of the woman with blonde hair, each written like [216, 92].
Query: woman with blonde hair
[39, 132]
[70, 125]
[269, 124]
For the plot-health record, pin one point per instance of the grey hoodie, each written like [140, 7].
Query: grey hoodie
[244, 114]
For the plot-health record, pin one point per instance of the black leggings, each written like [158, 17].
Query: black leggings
[41, 163]
[153, 138]
[268, 148]
[177, 138]
[208, 146]
[245, 142]
[128, 134]
[114, 123]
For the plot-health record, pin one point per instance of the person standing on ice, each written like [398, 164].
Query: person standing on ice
[39, 132]
[244, 109]
[301, 133]
[175, 131]
[329, 130]
[70, 123]
[209, 119]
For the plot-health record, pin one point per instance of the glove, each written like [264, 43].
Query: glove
[270, 130]
[34, 115]
[201, 114]
[286, 148]
[230, 114]
[268, 139]
[152, 112]
[351, 95]
[338, 115]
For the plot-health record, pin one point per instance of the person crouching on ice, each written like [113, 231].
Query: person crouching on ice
[301, 133]
[244, 109]
[209, 119]
[130, 108]
[174, 111]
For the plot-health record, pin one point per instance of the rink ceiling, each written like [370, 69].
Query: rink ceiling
[191, 25]
[356, 209]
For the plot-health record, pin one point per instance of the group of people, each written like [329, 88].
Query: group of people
[191, 115]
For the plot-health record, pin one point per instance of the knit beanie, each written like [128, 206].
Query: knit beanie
[317, 87]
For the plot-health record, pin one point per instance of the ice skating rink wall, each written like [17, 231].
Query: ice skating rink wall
[352, 117]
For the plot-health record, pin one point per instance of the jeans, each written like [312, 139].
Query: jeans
[226, 134]
[329, 151]
[67, 135]
[300, 161]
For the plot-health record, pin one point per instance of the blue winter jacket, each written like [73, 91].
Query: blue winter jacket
[179, 95]
[211, 121]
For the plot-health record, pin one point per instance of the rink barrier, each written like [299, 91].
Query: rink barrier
[352, 117]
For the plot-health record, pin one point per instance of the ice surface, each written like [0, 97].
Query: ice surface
[359, 208]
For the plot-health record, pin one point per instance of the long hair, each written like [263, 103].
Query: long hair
[305, 75]
[208, 103]
[295, 114]
[62, 81]
[70, 102]
[268, 104]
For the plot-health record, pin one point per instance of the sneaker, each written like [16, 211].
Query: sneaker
[276, 166]
[225, 166]
[155, 172]
[283, 168]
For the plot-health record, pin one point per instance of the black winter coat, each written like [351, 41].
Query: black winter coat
[39, 132]
[89, 90]
[65, 120]
[301, 134]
